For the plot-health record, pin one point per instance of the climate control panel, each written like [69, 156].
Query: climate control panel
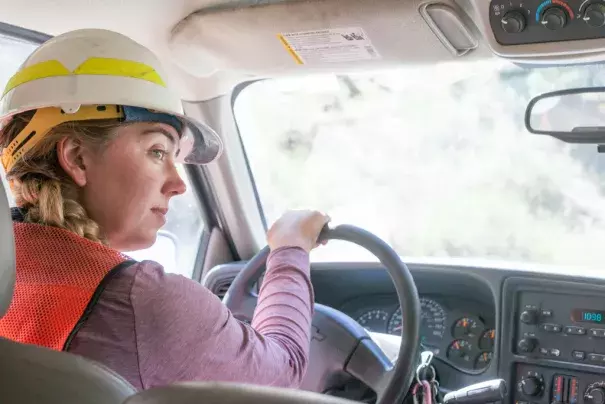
[518, 22]
[544, 385]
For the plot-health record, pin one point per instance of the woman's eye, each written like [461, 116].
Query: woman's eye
[159, 154]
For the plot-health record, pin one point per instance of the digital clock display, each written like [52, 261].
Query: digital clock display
[588, 316]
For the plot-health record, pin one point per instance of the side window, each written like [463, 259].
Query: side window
[177, 243]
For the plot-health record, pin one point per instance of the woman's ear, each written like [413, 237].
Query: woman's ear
[71, 158]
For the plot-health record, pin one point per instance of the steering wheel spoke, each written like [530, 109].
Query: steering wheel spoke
[369, 364]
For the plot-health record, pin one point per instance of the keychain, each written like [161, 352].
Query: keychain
[426, 382]
[415, 394]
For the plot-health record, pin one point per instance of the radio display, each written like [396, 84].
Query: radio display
[588, 316]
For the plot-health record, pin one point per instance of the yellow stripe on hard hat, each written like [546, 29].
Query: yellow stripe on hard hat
[91, 66]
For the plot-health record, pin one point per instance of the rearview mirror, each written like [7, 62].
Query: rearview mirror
[574, 116]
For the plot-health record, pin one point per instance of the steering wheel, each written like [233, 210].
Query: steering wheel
[339, 343]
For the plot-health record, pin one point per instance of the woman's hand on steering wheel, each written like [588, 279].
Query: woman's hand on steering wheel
[297, 228]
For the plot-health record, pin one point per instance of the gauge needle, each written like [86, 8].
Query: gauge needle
[398, 328]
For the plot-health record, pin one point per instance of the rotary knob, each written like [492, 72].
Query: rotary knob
[527, 345]
[529, 316]
[513, 22]
[531, 386]
[594, 15]
[554, 18]
[595, 395]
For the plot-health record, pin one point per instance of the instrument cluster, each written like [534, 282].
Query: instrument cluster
[463, 340]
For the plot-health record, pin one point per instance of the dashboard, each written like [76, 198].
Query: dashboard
[543, 332]
[455, 330]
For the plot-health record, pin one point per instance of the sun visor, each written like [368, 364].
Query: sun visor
[301, 37]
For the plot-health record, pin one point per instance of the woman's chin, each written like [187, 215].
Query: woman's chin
[136, 242]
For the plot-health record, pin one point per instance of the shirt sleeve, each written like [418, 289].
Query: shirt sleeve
[185, 333]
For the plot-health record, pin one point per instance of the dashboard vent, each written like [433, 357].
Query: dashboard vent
[221, 287]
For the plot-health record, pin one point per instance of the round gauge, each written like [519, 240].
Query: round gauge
[466, 328]
[483, 360]
[374, 320]
[433, 320]
[486, 342]
[459, 353]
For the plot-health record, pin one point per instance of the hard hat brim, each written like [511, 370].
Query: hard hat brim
[199, 144]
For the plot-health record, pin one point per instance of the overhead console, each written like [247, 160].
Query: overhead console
[538, 21]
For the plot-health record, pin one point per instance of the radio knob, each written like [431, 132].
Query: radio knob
[594, 15]
[529, 316]
[595, 395]
[554, 18]
[513, 22]
[527, 345]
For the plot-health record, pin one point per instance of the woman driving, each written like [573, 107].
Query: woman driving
[90, 137]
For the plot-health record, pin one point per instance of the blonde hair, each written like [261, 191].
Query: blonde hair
[41, 187]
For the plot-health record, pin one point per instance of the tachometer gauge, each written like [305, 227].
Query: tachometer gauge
[374, 320]
[466, 328]
[459, 353]
[483, 360]
[433, 320]
[487, 340]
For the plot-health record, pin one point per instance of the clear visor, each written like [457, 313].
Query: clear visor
[199, 144]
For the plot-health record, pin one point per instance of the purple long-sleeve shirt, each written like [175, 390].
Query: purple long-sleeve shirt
[155, 328]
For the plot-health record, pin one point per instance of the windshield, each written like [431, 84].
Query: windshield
[433, 159]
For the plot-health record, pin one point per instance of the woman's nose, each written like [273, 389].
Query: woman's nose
[174, 184]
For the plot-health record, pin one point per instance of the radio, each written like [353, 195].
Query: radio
[562, 327]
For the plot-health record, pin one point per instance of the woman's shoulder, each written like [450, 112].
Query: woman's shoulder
[153, 285]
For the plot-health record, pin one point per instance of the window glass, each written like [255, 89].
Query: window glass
[434, 159]
[177, 244]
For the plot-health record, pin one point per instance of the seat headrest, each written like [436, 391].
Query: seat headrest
[7, 253]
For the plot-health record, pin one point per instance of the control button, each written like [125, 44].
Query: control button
[578, 355]
[529, 316]
[544, 351]
[593, 357]
[554, 18]
[594, 15]
[513, 22]
[597, 332]
[554, 352]
[551, 327]
[527, 345]
[546, 313]
[571, 330]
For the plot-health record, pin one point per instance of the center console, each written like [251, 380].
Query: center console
[557, 350]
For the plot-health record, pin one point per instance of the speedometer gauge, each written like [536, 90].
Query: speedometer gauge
[433, 321]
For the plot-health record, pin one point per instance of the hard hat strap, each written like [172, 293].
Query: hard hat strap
[47, 118]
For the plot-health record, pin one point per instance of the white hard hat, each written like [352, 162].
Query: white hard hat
[94, 67]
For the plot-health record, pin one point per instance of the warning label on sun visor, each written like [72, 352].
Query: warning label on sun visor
[335, 45]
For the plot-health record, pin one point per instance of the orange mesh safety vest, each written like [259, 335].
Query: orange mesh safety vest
[58, 273]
